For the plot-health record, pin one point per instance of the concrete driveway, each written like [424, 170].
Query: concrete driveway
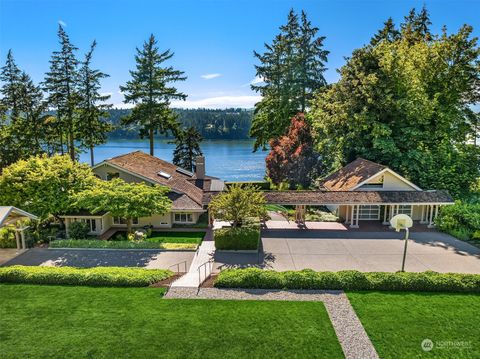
[107, 258]
[364, 251]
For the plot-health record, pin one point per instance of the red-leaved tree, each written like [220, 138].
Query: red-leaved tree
[292, 157]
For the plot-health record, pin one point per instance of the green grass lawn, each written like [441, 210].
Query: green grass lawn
[397, 323]
[84, 322]
[176, 237]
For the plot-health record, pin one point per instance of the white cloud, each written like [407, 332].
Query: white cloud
[106, 94]
[210, 76]
[63, 23]
[257, 80]
[246, 101]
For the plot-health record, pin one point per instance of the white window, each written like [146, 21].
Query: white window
[92, 224]
[367, 212]
[121, 220]
[183, 217]
[405, 209]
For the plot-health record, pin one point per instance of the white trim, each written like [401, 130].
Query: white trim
[372, 203]
[391, 172]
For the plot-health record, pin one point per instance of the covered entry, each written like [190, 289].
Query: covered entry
[10, 215]
[354, 207]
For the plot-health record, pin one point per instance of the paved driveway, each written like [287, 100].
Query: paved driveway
[107, 258]
[364, 251]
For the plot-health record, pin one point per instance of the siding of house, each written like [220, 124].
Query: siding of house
[390, 183]
[103, 171]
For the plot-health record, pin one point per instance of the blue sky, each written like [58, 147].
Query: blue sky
[213, 38]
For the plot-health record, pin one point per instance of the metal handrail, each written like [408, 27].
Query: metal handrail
[178, 266]
[208, 264]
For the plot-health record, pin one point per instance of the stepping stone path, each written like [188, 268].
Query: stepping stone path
[350, 332]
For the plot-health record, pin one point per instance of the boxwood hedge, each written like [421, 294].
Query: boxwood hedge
[243, 238]
[349, 280]
[97, 277]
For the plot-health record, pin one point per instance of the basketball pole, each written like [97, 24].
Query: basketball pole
[405, 249]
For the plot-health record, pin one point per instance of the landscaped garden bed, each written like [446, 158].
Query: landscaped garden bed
[397, 323]
[156, 240]
[349, 280]
[237, 239]
[96, 276]
[83, 322]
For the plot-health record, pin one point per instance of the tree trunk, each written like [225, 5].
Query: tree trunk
[129, 225]
[92, 159]
[150, 135]
[71, 144]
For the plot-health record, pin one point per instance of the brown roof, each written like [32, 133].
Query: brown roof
[149, 167]
[357, 197]
[182, 202]
[351, 175]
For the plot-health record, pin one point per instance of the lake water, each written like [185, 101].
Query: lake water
[231, 160]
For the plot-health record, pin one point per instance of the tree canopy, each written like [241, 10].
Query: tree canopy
[122, 199]
[44, 185]
[238, 203]
[150, 91]
[291, 70]
[405, 100]
[187, 148]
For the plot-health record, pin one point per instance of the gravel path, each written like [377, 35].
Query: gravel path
[350, 332]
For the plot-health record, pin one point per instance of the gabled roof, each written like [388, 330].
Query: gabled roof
[350, 176]
[9, 214]
[149, 168]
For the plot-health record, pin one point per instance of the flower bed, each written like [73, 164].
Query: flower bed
[96, 243]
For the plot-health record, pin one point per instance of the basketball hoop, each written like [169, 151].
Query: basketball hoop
[398, 222]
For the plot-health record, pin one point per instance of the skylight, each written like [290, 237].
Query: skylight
[184, 171]
[164, 174]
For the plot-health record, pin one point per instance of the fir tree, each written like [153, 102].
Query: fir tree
[150, 91]
[387, 33]
[187, 148]
[10, 76]
[61, 85]
[92, 126]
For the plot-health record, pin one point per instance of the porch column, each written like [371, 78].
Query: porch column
[22, 235]
[347, 213]
[430, 221]
[352, 216]
[354, 222]
[17, 239]
[423, 213]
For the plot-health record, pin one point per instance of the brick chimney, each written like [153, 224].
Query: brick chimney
[200, 167]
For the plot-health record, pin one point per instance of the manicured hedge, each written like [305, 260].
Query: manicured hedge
[96, 277]
[244, 238]
[348, 280]
[96, 243]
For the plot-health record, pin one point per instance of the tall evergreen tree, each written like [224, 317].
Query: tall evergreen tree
[387, 33]
[150, 91]
[92, 108]
[292, 68]
[10, 76]
[187, 148]
[61, 85]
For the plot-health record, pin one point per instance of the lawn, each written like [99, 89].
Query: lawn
[397, 323]
[84, 322]
[176, 237]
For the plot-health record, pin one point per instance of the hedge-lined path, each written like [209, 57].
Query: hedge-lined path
[350, 332]
[205, 252]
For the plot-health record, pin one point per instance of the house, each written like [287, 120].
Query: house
[367, 191]
[187, 191]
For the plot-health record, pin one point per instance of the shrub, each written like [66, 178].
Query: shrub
[78, 230]
[348, 280]
[121, 244]
[97, 277]
[7, 237]
[243, 238]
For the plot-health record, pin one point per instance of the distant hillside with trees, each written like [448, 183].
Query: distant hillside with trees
[233, 123]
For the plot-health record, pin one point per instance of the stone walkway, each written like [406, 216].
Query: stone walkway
[350, 332]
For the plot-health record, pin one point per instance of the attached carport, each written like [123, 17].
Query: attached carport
[10, 215]
[426, 204]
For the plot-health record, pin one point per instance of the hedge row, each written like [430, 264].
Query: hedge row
[96, 277]
[243, 238]
[349, 280]
[95, 243]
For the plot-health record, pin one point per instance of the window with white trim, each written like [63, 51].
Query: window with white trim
[183, 217]
[367, 212]
[121, 220]
[405, 209]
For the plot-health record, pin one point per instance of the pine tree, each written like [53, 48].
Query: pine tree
[187, 148]
[387, 33]
[10, 76]
[61, 85]
[92, 127]
[150, 92]
[292, 70]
